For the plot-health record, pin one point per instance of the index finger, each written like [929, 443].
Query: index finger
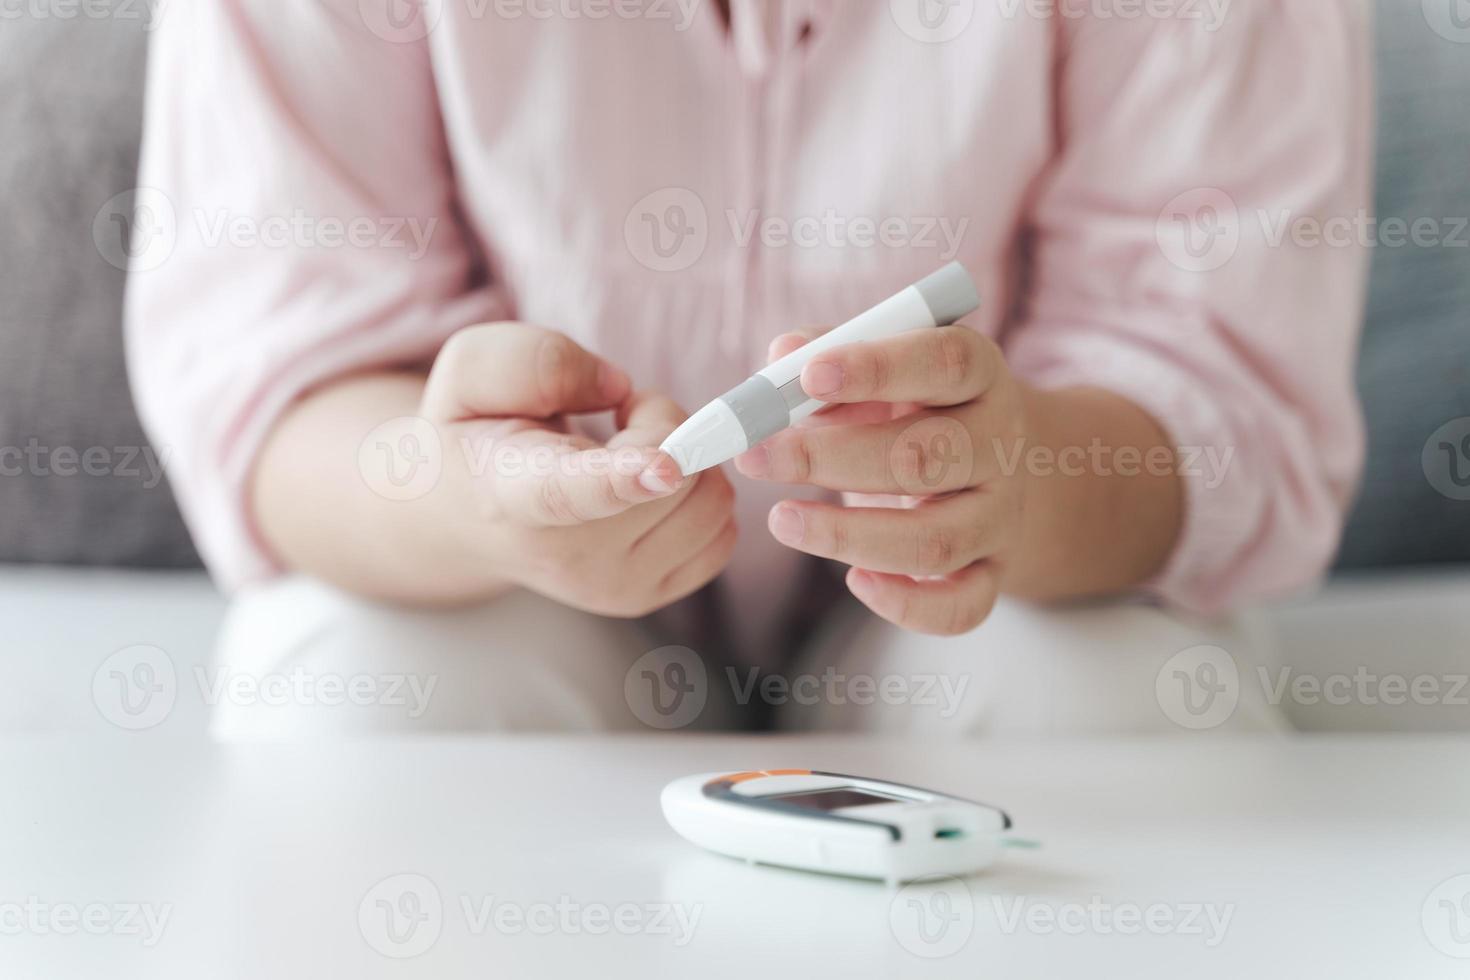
[646, 419]
[558, 486]
[941, 367]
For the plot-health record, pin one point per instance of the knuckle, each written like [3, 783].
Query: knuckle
[937, 551]
[800, 457]
[839, 539]
[554, 503]
[877, 368]
[910, 459]
[969, 535]
[556, 362]
[956, 355]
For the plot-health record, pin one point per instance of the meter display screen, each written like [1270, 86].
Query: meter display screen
[835, 798]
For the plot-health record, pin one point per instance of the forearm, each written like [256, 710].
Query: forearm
[1104, 503]
[320, 515]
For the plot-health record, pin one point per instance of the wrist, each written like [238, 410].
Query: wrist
[1103, 502]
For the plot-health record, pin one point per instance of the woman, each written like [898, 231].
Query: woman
[418, 247]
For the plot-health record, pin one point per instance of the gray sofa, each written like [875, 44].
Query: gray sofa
[93, 556]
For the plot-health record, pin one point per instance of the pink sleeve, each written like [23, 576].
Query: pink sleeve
[299, 223]
[1173, 262]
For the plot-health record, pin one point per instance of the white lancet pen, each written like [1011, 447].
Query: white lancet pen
[772, 399]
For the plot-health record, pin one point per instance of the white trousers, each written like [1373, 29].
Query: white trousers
[301, 659]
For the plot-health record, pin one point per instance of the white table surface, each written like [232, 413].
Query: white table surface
[1330, 857]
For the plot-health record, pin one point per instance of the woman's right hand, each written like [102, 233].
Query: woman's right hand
[613, 528]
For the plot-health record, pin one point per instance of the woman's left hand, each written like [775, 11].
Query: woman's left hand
[925, 436]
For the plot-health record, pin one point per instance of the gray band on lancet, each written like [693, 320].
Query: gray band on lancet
[759, 406]
[949, 294]
[793, 394]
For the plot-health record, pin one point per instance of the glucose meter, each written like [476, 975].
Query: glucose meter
[834, 824]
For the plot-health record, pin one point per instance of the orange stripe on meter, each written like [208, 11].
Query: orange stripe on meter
[741, 777]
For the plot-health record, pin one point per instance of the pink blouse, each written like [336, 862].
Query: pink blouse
[329, 185]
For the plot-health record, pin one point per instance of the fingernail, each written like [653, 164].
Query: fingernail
[787, 525]
[611, 380]
[662, 476]
[755, 463]
[822, 378]
[651, 481]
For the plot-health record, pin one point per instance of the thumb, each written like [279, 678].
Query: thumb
[515, 369]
